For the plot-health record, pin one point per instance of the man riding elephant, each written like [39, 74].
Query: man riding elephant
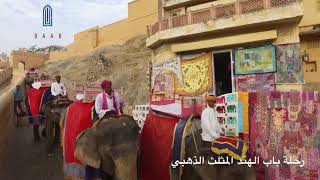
[57, 88]
[108, 102]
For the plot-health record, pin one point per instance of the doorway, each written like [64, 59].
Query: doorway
[21, 66]
[223, 72]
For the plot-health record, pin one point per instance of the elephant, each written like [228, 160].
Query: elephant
[112, 145]
[55, 111]
[196, 147]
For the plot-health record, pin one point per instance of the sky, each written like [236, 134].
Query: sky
[21, 19]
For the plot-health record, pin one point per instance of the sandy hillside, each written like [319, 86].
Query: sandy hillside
[125, 65]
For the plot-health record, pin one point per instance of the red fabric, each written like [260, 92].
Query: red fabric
[35, 100]
[106, 83]
[228, 139]
[156, 143]
[79, 118]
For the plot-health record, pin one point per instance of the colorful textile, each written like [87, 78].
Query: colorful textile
[164, 84]
[243, 98]
[230, 146]
[255, 83]
[227, 113]
[182, 130]
[197, 76]
[285, 124]
[255, 60]
[156, 143]
[173, 65]
[78, 119]
[106, 83]
[289, 64]
[34, 101]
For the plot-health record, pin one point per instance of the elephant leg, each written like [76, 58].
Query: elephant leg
[49, 139]
[36, 133]
[56, 133]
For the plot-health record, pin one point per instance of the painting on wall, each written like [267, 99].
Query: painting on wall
[255, 60]
[255, 82]
[289, 64]
[164, 84]
[196, 76]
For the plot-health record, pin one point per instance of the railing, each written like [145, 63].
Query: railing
[217, 12]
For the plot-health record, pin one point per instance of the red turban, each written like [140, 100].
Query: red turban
[106, 83]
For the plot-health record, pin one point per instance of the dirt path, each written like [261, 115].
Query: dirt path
[27, 160]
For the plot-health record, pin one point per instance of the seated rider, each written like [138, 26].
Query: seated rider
[108, 102]
[210, 125]
[44, 76]
[57, 88]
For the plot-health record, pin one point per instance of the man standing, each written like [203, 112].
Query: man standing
[108, 102]
[18, 100]
[58, 88]
[210, 125]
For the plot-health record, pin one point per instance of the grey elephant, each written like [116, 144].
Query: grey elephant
[111, 145]
[205, 172]
[55, 112]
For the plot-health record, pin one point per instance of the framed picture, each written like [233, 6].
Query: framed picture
[255, 60]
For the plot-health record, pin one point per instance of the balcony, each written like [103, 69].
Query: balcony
[171, 4]
[240, 13]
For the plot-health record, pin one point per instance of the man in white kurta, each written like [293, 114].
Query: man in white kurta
[58, 88]
[210, 125]
[107, 102]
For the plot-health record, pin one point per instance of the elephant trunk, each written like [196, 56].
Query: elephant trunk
[126, 168]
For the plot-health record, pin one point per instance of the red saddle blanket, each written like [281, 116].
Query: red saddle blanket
[78, 119]
[156, 147]
[35, 98]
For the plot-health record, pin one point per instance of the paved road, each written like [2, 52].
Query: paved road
[27, 160]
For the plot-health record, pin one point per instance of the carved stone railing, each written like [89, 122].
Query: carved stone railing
[217, 12]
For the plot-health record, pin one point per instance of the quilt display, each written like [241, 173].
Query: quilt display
[255, 60]
[164, 84]
[255, 83]
[284, 124]
[173, 65]
[289, 64]
[196, 75]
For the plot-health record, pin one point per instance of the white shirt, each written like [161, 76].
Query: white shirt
[98, 104]
[58, 89]
[210, 125]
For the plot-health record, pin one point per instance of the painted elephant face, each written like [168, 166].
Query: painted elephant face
[112, 145]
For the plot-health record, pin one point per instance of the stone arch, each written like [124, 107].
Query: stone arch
[21, 65]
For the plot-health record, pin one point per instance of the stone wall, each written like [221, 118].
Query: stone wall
[5, 75]
[27, 60]
[7, 122]
[140, 14]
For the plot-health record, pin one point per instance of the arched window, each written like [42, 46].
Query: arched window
[47, 16]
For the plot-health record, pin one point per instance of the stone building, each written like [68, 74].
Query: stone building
[224, 27]
[25, 60]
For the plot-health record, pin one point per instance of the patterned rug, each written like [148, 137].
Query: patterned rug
[196, 75]
[255, 83]
[182, 130]
[285, 124]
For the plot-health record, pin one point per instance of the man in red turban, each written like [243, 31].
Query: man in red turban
[107, 102]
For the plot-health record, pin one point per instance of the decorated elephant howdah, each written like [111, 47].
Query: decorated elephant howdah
[112, 145]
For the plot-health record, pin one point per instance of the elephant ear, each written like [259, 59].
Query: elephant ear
[86, 150]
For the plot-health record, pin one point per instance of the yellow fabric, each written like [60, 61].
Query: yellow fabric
[244, 98]
[196, 76]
